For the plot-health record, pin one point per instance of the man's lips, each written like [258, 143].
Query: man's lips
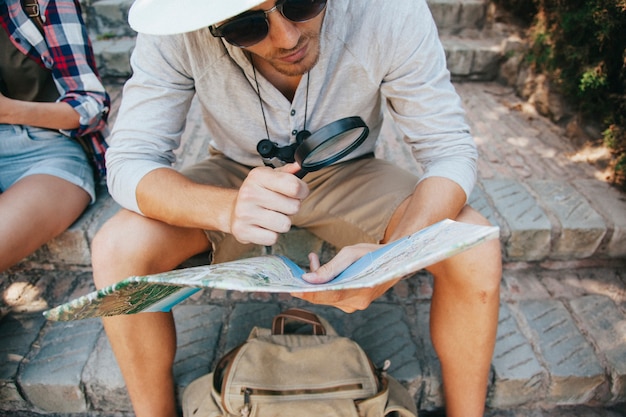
[295, 56]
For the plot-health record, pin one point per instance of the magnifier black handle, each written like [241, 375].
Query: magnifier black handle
[300, 174]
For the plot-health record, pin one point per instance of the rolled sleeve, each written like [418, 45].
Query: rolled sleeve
[425, 105]
[151, 119]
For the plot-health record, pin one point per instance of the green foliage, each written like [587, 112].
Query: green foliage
[581, 44]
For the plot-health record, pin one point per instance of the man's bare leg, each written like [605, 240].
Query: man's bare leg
[145, 343]
[464, 320]
[464, 315]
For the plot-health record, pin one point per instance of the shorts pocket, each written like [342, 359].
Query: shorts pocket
[40, 134]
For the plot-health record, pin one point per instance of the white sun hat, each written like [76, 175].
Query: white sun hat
[167, 17]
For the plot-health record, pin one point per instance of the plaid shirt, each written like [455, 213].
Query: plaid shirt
[66, 51]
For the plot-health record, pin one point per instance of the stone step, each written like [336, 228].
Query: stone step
[471, 59]
[453, 16]
[113, 56]
[472, 54]
[109, 18]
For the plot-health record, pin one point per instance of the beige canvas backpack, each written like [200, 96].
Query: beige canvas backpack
[279, 374]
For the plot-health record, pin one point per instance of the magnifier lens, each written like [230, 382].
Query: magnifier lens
[334, 148]
[330, 144]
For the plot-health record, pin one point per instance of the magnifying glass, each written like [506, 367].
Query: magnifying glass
[323, 147]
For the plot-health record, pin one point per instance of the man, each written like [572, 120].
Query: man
[269, 70]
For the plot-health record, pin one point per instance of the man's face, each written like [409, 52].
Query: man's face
[290, 48]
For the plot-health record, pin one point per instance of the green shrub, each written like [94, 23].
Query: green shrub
[581, 45]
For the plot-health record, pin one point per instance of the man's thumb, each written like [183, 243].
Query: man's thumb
[291, 168]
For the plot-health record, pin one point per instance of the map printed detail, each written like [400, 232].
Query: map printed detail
[275, 273]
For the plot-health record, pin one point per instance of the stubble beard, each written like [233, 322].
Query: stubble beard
[306, 64]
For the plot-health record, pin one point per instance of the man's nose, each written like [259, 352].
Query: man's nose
[283, 33]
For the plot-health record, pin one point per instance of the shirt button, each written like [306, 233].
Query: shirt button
[293, 112]
[294, 132]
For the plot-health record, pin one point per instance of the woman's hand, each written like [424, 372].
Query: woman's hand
[57, 115]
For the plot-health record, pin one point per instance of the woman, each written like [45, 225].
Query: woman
[51, 101]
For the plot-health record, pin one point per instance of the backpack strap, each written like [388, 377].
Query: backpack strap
[297, 314]
[31, 7]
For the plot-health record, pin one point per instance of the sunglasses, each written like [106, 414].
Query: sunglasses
[252, 27]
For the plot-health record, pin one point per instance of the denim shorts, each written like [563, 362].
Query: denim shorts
[27, 150]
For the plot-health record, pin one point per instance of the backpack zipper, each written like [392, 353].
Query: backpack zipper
[246, 391]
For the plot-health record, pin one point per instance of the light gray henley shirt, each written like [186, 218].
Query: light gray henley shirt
[370, 51]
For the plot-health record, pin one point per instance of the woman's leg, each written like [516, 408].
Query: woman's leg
[34, 210]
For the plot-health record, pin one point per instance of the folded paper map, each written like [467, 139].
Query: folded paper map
[275, 273]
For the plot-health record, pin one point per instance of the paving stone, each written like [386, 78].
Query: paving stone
[431, 397]
[577, 411]
[103, 381]
[562, 285]
[110, 17]
[612, 205]
[113, 56]
[575, 372]
[519, 377]
[473, 13]
[480, 202]
[244, 318]
[605, 325]
[18, 332]
[472, 59]
[487, 57]
[197, 335]
[383, 333]
[582, 228]
[51, 380]
[422, 289]
[198, 331]
[446, 14]
[71, 247]
[451, 16]
[529, 225]
[459, 57]
[522, 285]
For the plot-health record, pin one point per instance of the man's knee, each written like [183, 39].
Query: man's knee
[479, 268]
[119, 242]
[113, 237]
[131, 244]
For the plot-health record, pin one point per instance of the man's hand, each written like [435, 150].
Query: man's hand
[264, 203]
[346, 257]
[346, 300]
